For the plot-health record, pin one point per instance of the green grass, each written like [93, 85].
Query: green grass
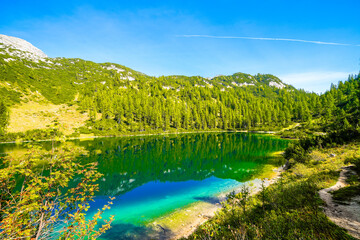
[345, 194]
[288, 209]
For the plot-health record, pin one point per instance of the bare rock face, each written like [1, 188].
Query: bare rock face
[26, 49]
[277, 85]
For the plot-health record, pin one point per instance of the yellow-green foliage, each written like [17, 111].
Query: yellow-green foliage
[34, 115]
[129, 101]
[4, 117]
[35, 196]
[353, 189]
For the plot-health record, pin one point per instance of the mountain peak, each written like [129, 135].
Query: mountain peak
[28, 50]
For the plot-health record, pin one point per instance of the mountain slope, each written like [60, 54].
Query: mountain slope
[57, 79]
[119, 99]
[27, 50]
[26, 70]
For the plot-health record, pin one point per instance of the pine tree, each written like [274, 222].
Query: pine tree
[4, 117]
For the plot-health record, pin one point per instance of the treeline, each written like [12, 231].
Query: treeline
[183, 104]
[342, 105]
[121, 100]
[291, 208]
[4, 117]
[340, 120]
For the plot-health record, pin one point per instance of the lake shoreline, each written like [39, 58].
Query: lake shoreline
[139, 135]
[185, 221]
[235, 146]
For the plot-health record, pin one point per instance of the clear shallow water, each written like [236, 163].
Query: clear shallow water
[155, 175]
[154, 199]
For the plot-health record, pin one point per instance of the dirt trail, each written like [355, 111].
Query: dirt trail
[345, 216]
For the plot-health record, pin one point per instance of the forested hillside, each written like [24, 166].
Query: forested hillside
[114, 100]
[291, 208]
[193, 103]
[118, 99]
[342, 104]
[339, 121]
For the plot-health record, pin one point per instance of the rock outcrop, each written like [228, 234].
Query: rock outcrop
[22, 48]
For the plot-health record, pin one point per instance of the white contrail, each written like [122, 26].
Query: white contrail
[269, 39]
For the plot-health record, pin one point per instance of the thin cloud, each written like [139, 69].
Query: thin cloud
[270, 39]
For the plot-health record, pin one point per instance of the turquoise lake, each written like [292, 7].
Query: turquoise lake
[152, 176]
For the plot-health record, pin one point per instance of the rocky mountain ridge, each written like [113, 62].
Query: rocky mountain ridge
[27, 50]
[25, 69]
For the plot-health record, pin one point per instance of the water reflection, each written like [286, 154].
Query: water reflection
[155, 175]
[130, 162]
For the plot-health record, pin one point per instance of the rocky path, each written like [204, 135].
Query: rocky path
[345, 216]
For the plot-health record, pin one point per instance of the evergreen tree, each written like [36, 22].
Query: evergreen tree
[4, 117]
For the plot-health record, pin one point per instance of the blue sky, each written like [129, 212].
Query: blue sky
[149, 36]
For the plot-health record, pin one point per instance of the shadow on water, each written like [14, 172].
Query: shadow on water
[212, 200]
[127, 231]
[128, 163]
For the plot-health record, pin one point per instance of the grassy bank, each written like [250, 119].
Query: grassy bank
[347, 193]
[288, 209]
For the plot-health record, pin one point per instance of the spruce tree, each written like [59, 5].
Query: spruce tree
[4, 117]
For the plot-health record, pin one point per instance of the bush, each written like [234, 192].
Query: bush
[44, 198]
[32, 135]
[356, 161]
[297, 153]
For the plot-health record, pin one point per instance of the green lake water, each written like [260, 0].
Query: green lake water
[155, 175]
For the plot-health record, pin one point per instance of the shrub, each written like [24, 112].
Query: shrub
[35, 197]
